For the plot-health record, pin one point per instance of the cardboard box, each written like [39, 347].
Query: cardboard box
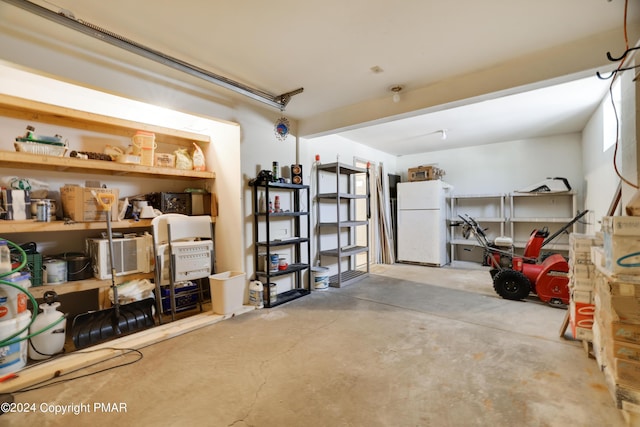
[621, 321]
[424, 173]
[581, 314]
[622, 253]
[624, 289]
[627, 372]
[579, 333]
[79, 203]
[625, 350]
[621, 226]
[584, 297]
[583, 271]
[421, 173]
[581, 242]
[581, 284]
[597, 256]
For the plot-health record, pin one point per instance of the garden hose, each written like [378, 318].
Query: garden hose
[12, 338]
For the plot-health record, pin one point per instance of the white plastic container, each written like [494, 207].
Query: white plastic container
[320, 278]
[227, 291]
[50, 342]
[5, 257]
[13, 357]
[256, 291]
[144, 144]
[13, 302]
[55, 271]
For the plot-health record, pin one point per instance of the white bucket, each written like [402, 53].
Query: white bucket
[320, 278]
[12, 301]
[13, 357]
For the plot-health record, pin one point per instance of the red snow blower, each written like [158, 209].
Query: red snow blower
[515, 276]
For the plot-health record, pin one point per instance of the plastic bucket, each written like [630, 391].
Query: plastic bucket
[12, 301]
[55, 271]
[13, 357]
[320, 278]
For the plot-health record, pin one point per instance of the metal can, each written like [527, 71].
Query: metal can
[43, 211]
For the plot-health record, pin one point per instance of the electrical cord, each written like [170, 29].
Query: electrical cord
[50, 382]
[615, 112]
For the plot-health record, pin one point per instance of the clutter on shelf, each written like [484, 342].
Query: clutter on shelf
[549, 185]
[425, 173]
[40, 144]
[141, 151]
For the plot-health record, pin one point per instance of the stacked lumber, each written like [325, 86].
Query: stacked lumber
[616, 327]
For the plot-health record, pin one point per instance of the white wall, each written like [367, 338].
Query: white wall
[600, 180]
[505, 167]
[259, 146]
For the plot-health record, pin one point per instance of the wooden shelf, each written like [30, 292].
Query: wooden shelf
[20, 108]
[84, 285]
[33, 226]
[72, 164]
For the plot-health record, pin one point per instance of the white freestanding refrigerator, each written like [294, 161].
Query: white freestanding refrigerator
[422, 222]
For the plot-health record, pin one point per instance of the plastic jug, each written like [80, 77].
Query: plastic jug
[256, 290]
[51, 341]
[144, 145]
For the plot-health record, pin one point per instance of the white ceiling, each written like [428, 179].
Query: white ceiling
[329, 48]
[553, 110]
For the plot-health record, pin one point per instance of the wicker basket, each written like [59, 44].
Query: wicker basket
[34, 147]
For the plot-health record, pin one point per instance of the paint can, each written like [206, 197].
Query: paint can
[43, 211]
[55, 271]
[273, 293]
[274, 261]
[320, 278]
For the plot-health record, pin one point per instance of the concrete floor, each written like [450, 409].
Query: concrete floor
[408, 346]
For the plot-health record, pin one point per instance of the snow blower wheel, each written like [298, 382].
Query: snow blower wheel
[511, 284]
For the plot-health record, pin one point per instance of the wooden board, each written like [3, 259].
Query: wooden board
[79, 359]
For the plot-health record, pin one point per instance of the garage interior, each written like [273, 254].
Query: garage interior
[363, 98]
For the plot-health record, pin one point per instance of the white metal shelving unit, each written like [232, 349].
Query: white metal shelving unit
[514, 215]
[487, 209]
[536, 210]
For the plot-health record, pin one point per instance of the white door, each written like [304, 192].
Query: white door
[420, 236]
[420, 195]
